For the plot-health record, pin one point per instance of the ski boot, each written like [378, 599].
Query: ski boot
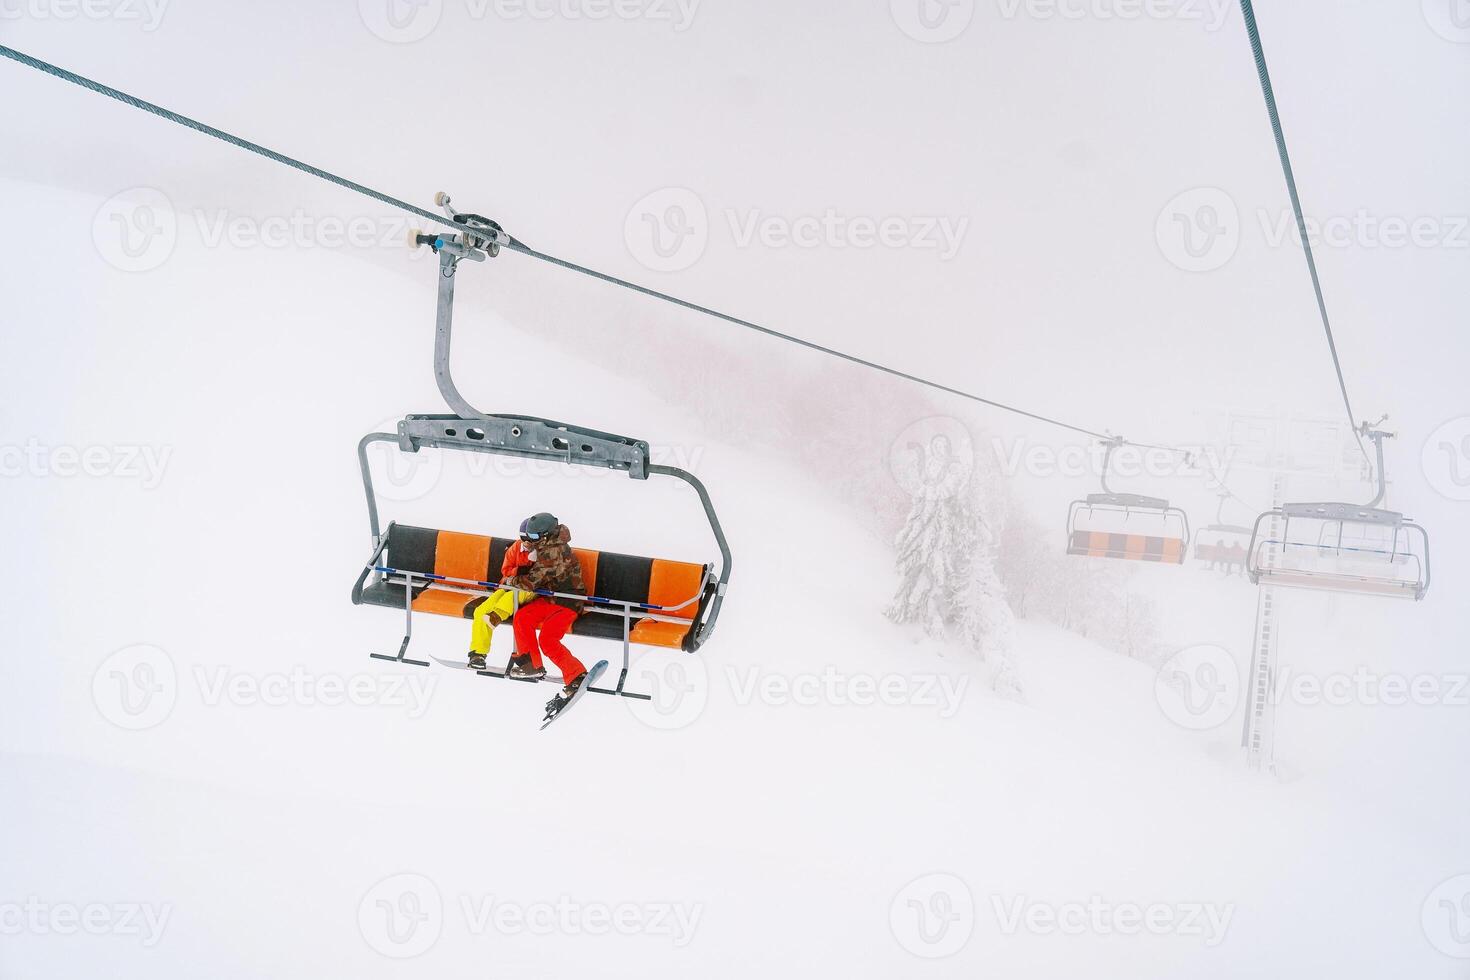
[564, 696]
[477, 661]
[521, 669]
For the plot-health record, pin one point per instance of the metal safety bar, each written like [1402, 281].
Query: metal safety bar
[596, 600]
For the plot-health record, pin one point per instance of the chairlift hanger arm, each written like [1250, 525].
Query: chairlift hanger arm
[1376, 436]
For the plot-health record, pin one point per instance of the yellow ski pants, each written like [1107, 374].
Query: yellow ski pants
[502, 605]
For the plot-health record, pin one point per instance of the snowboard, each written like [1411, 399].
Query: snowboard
[456, 664]
[595, 672]
[496, 669]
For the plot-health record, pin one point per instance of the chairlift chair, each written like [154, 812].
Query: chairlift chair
[1341, 547]
[1126, 526]
[1220, 543]
[636, 600]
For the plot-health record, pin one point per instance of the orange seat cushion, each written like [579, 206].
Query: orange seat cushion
[671, 583]
[588, 561]
[464, 556]
[651, 633]
[442, 602]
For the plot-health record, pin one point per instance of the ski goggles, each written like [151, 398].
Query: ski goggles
[527, 535]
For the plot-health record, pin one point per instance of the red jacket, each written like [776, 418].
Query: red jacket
[515, 560]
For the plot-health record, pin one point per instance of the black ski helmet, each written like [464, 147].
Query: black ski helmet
[538, 525]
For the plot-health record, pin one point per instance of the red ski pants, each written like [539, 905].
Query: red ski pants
[553, 621]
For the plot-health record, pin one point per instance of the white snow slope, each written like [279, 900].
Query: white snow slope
[763, 817]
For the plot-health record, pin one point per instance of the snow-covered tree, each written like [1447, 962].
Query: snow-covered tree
[985, 620]
[946, 561]
[930, 566]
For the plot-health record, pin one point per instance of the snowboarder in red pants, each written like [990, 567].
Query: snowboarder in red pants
[554, 567]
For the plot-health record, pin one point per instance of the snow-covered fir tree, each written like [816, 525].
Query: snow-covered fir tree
[985, 620]
[946, 562]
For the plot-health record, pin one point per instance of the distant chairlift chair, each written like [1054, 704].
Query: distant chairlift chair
[1220, 543]
[1126, 526]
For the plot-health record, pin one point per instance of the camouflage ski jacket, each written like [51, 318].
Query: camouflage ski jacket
[556, 568]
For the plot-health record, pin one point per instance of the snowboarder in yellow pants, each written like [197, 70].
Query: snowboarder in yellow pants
[497, 609]
[501, 605]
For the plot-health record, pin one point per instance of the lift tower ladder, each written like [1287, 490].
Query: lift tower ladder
[1260, 717]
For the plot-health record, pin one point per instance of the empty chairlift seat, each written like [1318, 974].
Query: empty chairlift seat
[1337, 547]
[451, 574]
[1127, 527]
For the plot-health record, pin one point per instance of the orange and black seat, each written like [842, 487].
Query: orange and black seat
[613, 579]
[1133, 547]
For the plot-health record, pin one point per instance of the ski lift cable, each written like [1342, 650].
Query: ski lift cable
[518, 246]
[1269, 91]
